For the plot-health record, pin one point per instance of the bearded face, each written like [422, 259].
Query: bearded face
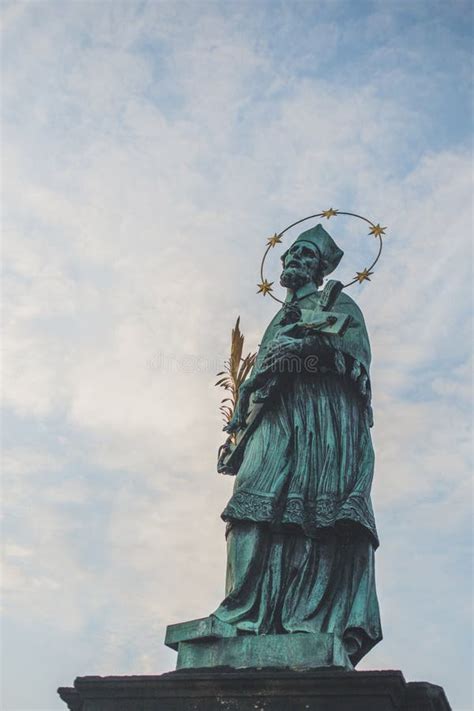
[300, 266]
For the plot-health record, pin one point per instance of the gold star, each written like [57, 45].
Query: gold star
[377, 231]
[329, 213]
[363, 276]
[264, 287]
[272, 241]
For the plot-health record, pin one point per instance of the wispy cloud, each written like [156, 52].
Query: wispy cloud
[149, 149]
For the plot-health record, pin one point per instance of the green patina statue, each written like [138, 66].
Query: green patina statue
[301, 535]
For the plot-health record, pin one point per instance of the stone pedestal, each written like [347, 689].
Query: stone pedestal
[255, 690]
[210, 643]
[219, 669]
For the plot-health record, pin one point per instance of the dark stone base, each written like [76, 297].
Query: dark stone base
[255, 690]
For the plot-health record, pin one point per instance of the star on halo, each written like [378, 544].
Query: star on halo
[377, 231]
[364, 275]
[329, 213]
[272, 241]
[265, 287]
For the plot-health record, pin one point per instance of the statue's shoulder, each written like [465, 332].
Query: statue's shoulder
[272, 327]
[346, 304]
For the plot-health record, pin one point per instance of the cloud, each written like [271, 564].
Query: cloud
[150, 161]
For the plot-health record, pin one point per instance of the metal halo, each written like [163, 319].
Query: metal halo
[379, 231]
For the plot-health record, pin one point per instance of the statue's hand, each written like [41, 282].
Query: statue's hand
[238, 422]
[292, 330]
[239, 418]
[233, 426]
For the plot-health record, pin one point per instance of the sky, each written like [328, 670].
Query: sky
[148, 151]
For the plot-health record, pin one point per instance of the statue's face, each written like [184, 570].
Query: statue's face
[299, 265]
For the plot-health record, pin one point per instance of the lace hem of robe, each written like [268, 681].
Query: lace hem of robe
[311, 516]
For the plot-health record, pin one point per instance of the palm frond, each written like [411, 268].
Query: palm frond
[236, 371]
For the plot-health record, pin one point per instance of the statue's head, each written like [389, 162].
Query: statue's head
[311, 257]
[302, 263]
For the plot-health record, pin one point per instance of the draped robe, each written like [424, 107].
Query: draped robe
[301, 529]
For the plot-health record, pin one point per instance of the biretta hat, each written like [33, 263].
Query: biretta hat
[324, 243]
